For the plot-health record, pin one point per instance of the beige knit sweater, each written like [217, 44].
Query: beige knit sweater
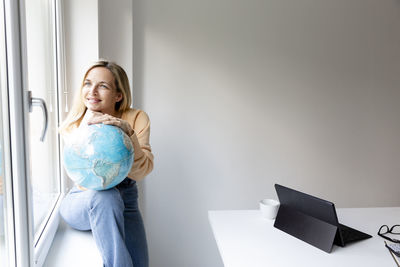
[143, 162]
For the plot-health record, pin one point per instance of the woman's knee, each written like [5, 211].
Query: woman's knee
[74, 212]
[106, 199]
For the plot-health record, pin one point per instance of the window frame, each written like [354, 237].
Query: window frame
[7, 183]
[23, 249]
[44, 240]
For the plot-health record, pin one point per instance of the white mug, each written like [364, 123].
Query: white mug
[269, 208]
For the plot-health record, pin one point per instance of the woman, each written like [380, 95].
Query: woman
[113, 214]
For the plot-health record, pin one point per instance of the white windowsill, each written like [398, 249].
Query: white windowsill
[73, 248]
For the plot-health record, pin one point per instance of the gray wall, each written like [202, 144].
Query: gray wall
[245, 94]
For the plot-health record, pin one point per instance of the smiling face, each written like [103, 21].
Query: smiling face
[99, 91]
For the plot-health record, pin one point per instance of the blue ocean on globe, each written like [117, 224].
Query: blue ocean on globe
[98, 156]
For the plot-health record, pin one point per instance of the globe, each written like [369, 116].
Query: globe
[98, 156]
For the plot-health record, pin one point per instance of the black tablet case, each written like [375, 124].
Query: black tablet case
[307, 218]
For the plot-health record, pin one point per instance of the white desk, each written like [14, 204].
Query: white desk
[245, 239]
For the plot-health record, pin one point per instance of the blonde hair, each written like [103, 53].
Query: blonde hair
[78, 109]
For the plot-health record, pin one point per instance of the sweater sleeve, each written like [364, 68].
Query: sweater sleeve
[143, 159]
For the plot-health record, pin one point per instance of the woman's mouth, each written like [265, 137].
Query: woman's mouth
[93, 100]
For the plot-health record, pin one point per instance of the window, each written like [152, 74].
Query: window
[7, 253]
[42, 82]
[3, 210]
[29, 118]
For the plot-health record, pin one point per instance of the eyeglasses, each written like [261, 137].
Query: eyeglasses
[395, 230]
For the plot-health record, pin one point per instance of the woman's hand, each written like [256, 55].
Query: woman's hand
[98, 117]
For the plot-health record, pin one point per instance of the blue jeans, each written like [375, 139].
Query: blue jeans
[114, 218]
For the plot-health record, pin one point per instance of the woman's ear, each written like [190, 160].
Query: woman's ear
[118, 97]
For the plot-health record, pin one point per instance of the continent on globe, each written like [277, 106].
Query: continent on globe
[98, 156]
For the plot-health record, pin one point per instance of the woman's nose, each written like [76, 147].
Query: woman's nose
[93, 89]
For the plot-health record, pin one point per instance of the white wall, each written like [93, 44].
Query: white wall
[81, 40]
[115, 33]
[244, 94]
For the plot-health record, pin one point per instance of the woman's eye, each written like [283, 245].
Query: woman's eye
[104, 86]
[86, 84]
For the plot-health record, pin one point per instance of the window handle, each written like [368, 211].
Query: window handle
[35, 101]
